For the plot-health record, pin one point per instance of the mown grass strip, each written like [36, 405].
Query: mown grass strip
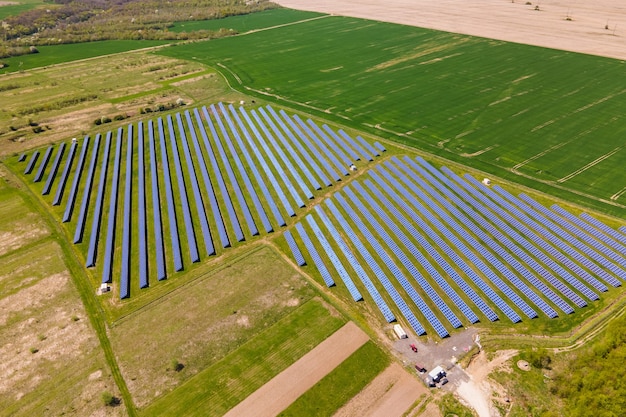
[221, 386]
[343, 383]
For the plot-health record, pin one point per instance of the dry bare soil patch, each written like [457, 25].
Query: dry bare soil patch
[51, 357]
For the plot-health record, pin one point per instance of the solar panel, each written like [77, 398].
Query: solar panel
[97, 211]
[415, 253]
[195, 187]
[302, 153]
[243, 205]
[317, 259]
[156, 207]
[380, 147]
[69, 206]
[251, 164]
[334, 259]
[53, 170]
[603, 227]
[361, 153]
[291, 152]
[127, 224]
[169, 199]
[64, 175]
[242, 171]
[462, 224]
[182, 193]
[31, 163]
[325, 150]
[141, 209]
[234, 221]
[352, 155]
[43, 164]
[295, 250]
[82, 213]
[316, 153]
[107, 265]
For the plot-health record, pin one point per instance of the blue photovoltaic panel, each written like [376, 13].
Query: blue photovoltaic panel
[435, 235]
[302, 153]
[279, 169]
[195, 187]
[318, 156]
[182, 193]
[465, 251]
[242, 171]
[594, 261]
[326, 152]
[438, 191]
[141, 208]
[43, 164]
[406, 261]
[343, 144]
[334, 259]
[525, 222]
[97, 212]
[243, 204]
[82, 212]
[53, 171]
[274, 145]
[380, 274]
[266, 193]
[365, 279]
[66, 172]
[127, 224]
[579, 233]
[290, 151]
[208, 185]
[109, 250]
[317, 259]
[361, 153]
[22, 157]
[169, 199]
[528, 245]
[31, 163]
[234, 221]
[331, 144]
[462, 224]
[380, 147]
[603, 227]
[295, 250]
[367, 146]
[156, 207]
[69, 206]
[590, 229]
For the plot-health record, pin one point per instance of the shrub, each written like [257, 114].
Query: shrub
[37, 129]
[109, 399]
[176, 366]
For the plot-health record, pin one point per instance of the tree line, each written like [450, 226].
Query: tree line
[75, 21]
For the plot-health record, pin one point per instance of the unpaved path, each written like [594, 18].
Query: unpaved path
[390, 394]
[286, 387]
[571, 25]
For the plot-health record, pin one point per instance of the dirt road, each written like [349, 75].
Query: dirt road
[286, 387]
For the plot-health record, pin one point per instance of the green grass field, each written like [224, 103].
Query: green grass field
[246, 23]
[58, 54]
[226, 382]
[556, 118]
[343, 383]
[19, 7]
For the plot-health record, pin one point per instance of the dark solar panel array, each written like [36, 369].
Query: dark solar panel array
[82, 212]
[65, 175]
[314, 254]
[295, 250]
[43, 164]
[109, 250]
[142, 243]
[156, 207]
[53, 170]
[603, 228]
[126, 219]
[69, 206]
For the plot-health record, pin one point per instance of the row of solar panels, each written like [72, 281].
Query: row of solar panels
[211, 151]
[488, 248]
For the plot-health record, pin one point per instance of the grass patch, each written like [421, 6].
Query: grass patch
[451, 407]
[19, 7]
[228, 381]
[58, 54]
[343, 383]
[247, 22]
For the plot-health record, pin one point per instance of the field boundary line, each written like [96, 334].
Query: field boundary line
[590, 165]
[539, 155]
[282, 390]
[618, 194]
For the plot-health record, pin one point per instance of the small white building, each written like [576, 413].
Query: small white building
[487, 182]
[437, 373]
[399, 331]
[352, 167]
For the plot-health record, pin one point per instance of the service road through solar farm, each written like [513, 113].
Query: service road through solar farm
[333, 173]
